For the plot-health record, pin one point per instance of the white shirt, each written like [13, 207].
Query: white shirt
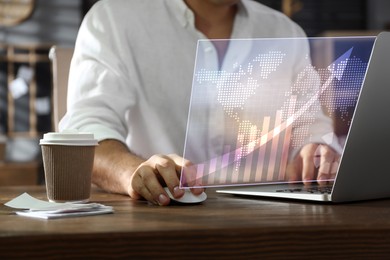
[132, 70]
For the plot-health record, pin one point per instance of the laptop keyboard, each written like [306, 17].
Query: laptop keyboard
[313, 189]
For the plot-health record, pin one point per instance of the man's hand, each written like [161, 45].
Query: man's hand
[315, 162]
[149, 178]
[118, 170]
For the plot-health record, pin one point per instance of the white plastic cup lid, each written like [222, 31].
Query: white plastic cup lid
[71, 138]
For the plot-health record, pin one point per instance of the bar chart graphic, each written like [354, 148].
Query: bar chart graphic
[256, 145]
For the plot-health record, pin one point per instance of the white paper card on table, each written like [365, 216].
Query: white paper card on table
[32, 207]
[45, 215]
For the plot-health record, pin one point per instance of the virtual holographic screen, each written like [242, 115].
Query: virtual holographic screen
[251, 113]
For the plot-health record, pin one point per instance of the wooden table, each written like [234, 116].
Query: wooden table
[19, 173]
[223, 227]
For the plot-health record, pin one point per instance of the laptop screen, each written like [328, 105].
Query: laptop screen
[257, 105]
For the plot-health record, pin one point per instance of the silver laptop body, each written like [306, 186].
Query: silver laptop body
[363, 172]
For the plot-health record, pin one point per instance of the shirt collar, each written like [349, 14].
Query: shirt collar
[181, 11]
[185, 15]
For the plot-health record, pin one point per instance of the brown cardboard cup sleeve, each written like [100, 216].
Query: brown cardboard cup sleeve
[68, 161]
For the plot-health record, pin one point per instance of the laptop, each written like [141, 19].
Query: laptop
[362, 129]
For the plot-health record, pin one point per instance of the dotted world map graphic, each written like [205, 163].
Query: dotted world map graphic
[337, 87]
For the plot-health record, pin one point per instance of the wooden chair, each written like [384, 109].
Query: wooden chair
[60, 59]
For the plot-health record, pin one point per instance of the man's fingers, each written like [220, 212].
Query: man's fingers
[308, 166]
[169, 174]
[334, 169]
[154, 174]
[179, 161]
[294, 171]
[146, 184]
[187, 171]
[328, 166]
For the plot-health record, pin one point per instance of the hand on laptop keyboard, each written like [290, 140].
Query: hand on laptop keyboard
[314, 162]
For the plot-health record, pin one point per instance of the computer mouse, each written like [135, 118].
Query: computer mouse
[188, 197]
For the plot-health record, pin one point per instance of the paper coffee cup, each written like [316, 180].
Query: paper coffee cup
[68, 161]
[3, 143]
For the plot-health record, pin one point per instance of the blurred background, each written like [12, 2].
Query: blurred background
[29, 28]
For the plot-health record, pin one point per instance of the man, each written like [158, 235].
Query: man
[130, 84]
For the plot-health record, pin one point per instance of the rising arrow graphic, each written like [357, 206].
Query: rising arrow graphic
[194, 173]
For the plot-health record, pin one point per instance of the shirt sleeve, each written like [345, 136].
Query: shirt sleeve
[99, 88]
